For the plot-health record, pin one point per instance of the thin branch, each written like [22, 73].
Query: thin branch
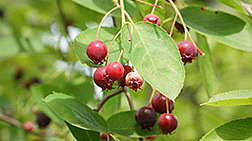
[153, 9]
[122, 12]
[11, 121]
[173, 24]
[127, 94]
[107, 97]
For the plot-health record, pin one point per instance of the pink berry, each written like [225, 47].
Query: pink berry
[134, 80]
[97, 51]
[100, 79]
[114, 71]
[153, 19]
[28, 126]
[121, 81]
[167, 123]
[159, 103]
[187, 51]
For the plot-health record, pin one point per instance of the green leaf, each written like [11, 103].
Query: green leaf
[82, 134]
[106, 35]
[235, 130]
[205, 64]
[106, 5]
[155, 56]
[124, 123]
[223, 27]
[241, 97]
[75, 113]
[236, 4]
[41, 91]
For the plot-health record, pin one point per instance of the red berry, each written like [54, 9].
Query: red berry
[100, 79]
[152, 18]
[150, 137]
[121, 81]
[28, 126]
[159, 103]
[97, 51]
[134, 80]
[187, 51]
[167, 123]
[104, 137]
[146, 117]
[114, 71]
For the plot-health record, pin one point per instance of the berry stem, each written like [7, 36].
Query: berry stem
[122, 12]
[173, 24]
[113, 40]
[128, 16]
[120, 55]
[167, 106]
[106, 98]
[184, 25]
[152, 95]
[127, 94]
[131, 31]
[150, 4]
[153, 9]
[109, 12]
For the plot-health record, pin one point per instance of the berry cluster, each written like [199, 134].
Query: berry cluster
[146, 116]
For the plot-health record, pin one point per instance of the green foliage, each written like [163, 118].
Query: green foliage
[223, 27]
[241, 97]
[234, 130]
[236, 4]
[158, 62]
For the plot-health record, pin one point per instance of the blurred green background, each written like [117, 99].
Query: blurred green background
[36, 51]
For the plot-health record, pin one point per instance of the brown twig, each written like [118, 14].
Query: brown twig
[127, 94]
[107, 97]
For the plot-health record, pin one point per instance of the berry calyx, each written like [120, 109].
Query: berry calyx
[153, 19]
[43, 120]
[104, 137]
[187, 51]
[100, 79]
[134, 80]
[146, 117]
[97, 51]
[167, 123]
[28, 126]
[114, 70]
[121, 81]
[159, 103]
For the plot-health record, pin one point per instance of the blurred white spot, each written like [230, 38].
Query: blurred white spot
[91, 24]
[108, 22]
[63, 45]
[73, 32]
[60, 65]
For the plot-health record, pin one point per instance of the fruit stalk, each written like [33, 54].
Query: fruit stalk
[173, 24]
[153, 9]
[122, 12]
[109, 12]
[150, 4]
[152, 95]
[127, 94]
[113, 40]
[107, 97]
[167, 106]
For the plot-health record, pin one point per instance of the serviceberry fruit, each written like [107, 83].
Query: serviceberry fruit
[134, 80]
[167, 123]
[97, 51]
[121, 81]
[114, 71]
[43, 120]
[153, 19]
[146, 117]
[100, 79]
[187, 51]
[159, 103]
[104, 137]
[28, 126]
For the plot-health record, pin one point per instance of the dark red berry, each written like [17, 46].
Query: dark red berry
[28, 126]
[153, 19]
[104, 137]
[167, 123]
[114, 71]
[159, 103]
[187, 51]
[97, 51]
[100, 79]
[146, 117]
[134, 80]
[43, 120]
[121, 81]
[150, 137]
